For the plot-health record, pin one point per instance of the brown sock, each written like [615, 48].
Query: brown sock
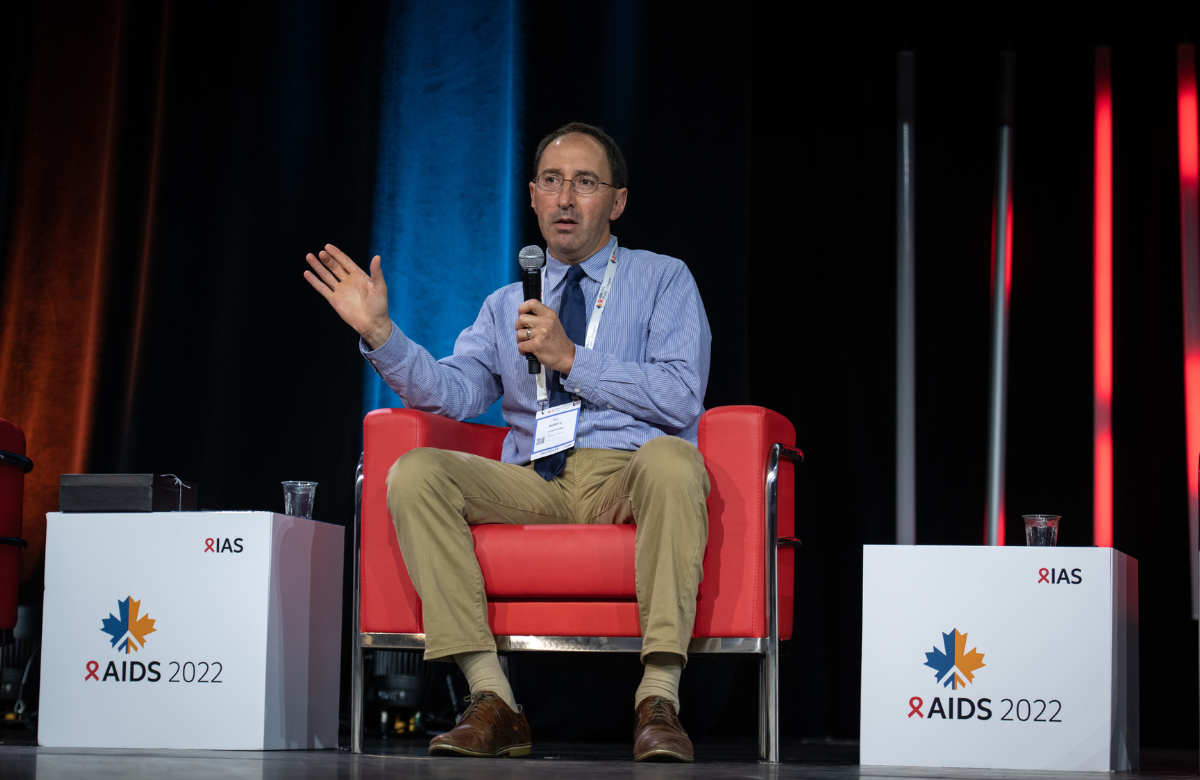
[483, 673]
[661, 678]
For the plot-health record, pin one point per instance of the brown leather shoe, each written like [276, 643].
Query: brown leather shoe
[488, 729]
[657, 735]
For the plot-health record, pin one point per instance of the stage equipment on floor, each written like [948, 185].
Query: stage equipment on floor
[19, 669]
[1189, 216]
[13, 468]
[398, 685]
[906, 305]
[1000, 658]
[1102, 304]
[451, 186]
[1001, 283]
[571, 587]
[191, 630]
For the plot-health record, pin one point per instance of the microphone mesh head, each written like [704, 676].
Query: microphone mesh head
[531, 257]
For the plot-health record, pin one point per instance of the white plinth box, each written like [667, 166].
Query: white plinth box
[1000, 658]
[212, 630]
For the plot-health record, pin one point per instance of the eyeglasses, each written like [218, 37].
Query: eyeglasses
[553, 182]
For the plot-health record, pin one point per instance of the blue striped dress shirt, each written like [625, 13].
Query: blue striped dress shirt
[645, 376]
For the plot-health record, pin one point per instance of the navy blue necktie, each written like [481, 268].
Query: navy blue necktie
[572, 313]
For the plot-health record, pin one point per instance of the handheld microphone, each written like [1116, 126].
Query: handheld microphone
[532, 260]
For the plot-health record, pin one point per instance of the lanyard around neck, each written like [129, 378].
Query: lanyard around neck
[602, 299]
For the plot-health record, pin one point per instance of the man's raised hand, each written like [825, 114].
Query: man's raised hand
[359, 299]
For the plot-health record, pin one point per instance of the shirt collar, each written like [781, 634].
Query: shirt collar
[594, 266]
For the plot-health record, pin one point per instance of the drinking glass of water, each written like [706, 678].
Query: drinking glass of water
[1041, 530]
[298, 498]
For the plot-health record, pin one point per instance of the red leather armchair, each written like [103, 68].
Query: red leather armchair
[13, 468]
[570, 587]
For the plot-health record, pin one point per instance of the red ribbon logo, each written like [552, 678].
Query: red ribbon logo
[92, 668]
[208, 547]
[915, 702]
[1045, 573]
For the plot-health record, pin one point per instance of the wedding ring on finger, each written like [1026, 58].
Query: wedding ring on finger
[528, 334]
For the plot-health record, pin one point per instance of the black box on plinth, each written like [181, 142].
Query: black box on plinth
[125, 493]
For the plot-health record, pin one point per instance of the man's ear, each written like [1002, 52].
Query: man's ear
[532, 197]
[619, 204]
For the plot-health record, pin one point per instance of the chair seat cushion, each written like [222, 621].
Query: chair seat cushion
[556, 561]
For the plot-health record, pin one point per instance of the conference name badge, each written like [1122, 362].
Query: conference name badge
[554, 430]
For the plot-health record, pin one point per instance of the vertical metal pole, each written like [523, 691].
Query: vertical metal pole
[356, 653]
[906, 307]
[1189, 203]
[1001, 278]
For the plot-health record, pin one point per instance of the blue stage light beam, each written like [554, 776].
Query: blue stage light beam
[449, 184]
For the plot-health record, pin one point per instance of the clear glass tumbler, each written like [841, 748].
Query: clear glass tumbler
[1041, 530]
[298, 498]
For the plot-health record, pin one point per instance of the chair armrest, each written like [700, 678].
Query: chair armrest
[388, 434]
[736, 443]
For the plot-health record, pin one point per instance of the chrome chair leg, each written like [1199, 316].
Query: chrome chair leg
[768, 702]
[768, 695]
[764, 740]
[356, 652]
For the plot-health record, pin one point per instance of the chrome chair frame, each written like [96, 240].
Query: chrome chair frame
[766, 648]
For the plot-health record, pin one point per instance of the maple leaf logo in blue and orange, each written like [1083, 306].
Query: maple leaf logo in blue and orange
[955, 663]
[129, 631]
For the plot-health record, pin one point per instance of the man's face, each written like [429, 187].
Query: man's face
[576, 226]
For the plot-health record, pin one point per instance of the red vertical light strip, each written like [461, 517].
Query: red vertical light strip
[1102, 311]
[1008, 248]
[1189, 175]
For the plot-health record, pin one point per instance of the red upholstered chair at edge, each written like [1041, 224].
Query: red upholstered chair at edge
[570, 587]
[13, 468]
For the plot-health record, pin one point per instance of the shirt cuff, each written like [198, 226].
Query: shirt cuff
[585, 372]
[389, 356]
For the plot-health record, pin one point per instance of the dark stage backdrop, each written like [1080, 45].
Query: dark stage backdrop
[761, 149]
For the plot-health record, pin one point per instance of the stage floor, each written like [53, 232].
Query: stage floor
[20, 759]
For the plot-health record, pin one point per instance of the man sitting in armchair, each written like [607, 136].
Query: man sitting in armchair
[631, 377]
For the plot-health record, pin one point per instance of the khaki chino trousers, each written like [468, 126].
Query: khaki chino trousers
[435, 496]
